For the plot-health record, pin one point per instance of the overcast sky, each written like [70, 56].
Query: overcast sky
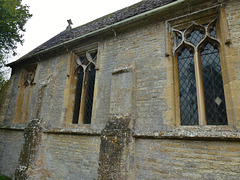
[50, 18]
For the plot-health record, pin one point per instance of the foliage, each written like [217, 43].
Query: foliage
[3, 91]
[2, 76]
[2, 177]
[13, 17]
[3, 81]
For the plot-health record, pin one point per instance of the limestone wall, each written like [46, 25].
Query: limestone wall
[11, 143]
[66, 157]
[187, 159]
[134, 133]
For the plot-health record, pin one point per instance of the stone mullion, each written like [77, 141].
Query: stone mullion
[83, 97]
[176, 91]
[200, 89]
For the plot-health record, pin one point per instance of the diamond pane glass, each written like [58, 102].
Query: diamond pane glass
[93, 55]
[195, 37]
[82, 59]
[213, 32]
[187, 88]
[178, 39]
[213, 86]
[78, 95]
[89, 94]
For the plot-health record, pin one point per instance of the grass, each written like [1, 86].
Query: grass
[2, 177]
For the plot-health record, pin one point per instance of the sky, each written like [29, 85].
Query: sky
[50, 18]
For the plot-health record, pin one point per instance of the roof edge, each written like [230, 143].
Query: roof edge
[104, 29]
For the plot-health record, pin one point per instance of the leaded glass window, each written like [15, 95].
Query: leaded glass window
[213, 86]
[85, 72]
[187, 88]
[201, 91]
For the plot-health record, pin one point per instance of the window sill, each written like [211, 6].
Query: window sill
[194, 132]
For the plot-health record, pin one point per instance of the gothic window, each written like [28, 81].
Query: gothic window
[85, 73]
[200, 85]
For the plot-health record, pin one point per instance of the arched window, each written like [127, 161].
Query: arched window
[85, 72]
[200, 87]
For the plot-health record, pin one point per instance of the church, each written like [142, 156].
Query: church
[151, 91]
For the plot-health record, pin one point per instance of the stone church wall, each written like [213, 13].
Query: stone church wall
[134, 133]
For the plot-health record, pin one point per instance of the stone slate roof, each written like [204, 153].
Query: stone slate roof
[100, 23]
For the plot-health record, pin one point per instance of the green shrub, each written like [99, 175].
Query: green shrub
[2, 177]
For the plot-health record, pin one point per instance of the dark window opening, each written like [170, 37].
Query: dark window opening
[78, 95]
[89, 95]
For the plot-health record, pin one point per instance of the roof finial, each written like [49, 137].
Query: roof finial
[69, 24]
